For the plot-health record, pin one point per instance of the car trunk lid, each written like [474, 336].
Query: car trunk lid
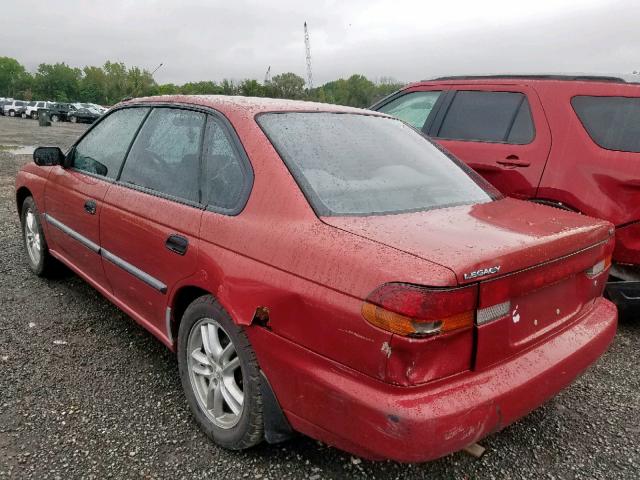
[530, 262]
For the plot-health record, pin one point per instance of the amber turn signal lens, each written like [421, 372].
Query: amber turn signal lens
[406, 326]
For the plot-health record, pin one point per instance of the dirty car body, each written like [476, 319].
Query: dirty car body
[397, 305]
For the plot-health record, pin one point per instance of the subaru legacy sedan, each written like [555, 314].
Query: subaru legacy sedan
[324, 270]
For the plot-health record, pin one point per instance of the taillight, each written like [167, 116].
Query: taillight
[599, 267]
[414, 311]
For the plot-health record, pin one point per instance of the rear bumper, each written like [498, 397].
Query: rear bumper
[412, 424]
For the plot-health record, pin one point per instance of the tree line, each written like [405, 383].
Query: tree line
[110, 83]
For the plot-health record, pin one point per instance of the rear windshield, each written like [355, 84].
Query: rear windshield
[611, 122]
[353, 164]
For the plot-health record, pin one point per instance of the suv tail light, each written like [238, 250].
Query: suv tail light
[414, 311]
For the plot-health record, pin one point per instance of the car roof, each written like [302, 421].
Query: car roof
[230, 105]
[518, 78]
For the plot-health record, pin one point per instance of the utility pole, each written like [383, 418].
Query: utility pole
[267, 76]
[156, 69]
[307, 45]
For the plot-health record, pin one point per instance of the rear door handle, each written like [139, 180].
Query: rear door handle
[90, 207]
[177, 244]
[513, 161]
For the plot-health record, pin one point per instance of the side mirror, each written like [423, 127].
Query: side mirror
[48, 156]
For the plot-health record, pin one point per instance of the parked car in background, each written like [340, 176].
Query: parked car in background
[83, 113]
[91, 106]
[31, 109]
[59, 112]
[323, 269]
[14, 108]
[567, 141]
[3, 102]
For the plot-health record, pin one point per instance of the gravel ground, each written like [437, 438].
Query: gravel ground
[86, 393]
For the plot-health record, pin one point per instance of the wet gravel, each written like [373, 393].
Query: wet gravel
[86, 393]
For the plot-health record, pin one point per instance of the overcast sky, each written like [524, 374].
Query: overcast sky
[406, 40]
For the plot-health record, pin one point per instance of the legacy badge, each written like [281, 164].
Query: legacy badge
[482, 272]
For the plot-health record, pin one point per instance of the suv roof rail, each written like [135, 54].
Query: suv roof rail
[585, 78]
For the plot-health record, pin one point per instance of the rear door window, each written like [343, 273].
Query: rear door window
[225, 174]
[612, 123]
[503, 117]
[165, 156]
[103, 148]
[413, 108]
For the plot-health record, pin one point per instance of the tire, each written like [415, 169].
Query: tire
[34, 115]
[73, 119]
[235, 431]
[55, 118]
[12, 113]
[42, 264]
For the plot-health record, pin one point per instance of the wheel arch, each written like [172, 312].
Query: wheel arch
[276, 426]
[182, 298]
[21, 194]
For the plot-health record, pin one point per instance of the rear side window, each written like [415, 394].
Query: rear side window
[224, 173]
[353, 164]
[102, 150]
[165, 156]
[503, 117]
[611, 122]
[413, 108]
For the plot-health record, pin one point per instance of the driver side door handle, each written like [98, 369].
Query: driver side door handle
[177, 244]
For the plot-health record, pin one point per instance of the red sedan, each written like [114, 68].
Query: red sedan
[323, 269]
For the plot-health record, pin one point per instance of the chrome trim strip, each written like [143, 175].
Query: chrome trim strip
[72, 233]
[167, 319]
[135, 271]
[126, 266]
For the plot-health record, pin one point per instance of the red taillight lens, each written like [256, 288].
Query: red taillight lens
[411, 310]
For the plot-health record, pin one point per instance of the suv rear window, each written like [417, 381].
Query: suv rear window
[612, 123]
[502, 117]
[354, 164]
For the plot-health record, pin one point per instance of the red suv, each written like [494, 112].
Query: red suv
[323, 269]
[570, 142]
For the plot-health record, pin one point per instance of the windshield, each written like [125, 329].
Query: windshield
[352, 164]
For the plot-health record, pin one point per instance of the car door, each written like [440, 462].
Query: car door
[151, 216]
[73, 194]
[499, 131]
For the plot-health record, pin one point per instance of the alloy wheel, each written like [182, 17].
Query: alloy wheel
[32, 237]
[215, 373]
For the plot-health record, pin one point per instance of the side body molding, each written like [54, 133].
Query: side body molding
[126, 266]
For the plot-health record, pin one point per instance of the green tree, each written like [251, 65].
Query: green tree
[57, 82]
[251, 88]
[201, 88]
[229, 87]
[14, 79]
[167, 89]
[139, 82]
[93, 85]
[287, 85]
